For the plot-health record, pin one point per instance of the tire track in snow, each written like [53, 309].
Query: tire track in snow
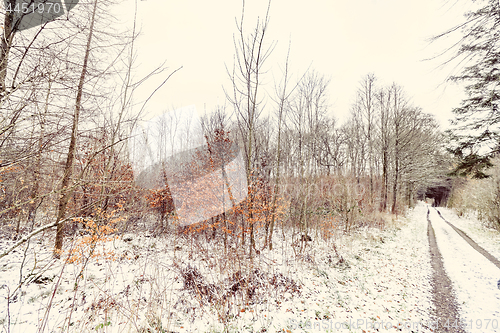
[473, 277]
[469, 240]
[442, 292]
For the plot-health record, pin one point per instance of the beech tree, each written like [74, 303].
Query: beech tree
[308, 108]
[356, 142]
[367, 100]
[58, 92]
[424, 162]
[392, 143]
[282, 102]
[68, 168]
[330, 152]
[251, 54]
[384, 101]
[32, 103]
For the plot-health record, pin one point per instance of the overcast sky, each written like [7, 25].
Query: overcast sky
[343, 40]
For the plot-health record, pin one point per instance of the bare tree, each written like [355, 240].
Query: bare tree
[401, 111]
[366, 97]
[68, 168]
[384, 101]
[251, 54]
[330, 152]
[283, 93]
[307, 112]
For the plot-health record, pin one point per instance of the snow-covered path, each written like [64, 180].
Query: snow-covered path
[474, 279]
[383, 285]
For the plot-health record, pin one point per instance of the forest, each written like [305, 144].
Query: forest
[73, 184]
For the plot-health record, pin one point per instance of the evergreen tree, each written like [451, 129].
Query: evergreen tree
[476, 128]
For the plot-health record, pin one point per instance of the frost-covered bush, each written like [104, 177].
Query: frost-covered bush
[480, 197]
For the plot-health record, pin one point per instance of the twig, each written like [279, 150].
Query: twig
[8, 306]
[31, 234]
[49, 306]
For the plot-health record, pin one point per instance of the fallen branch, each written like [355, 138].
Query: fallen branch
[33, 233]
[45, 227]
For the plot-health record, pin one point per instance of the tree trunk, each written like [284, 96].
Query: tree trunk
[7, 37]
[395, 187]
[68, 168]
[36, 170]
[384, 180]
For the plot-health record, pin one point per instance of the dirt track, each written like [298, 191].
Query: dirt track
[476, 247]
[443, 298]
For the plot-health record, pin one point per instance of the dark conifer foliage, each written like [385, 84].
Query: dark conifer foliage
[476, 131]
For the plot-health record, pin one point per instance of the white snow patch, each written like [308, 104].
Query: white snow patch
[487, 238]
[474, 278]
[386, 279]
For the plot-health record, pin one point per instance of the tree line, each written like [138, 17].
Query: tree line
[66, 99]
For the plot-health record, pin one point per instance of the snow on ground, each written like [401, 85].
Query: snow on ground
[474, 277]
[387, 282]
[487, 238]
[180, 284]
